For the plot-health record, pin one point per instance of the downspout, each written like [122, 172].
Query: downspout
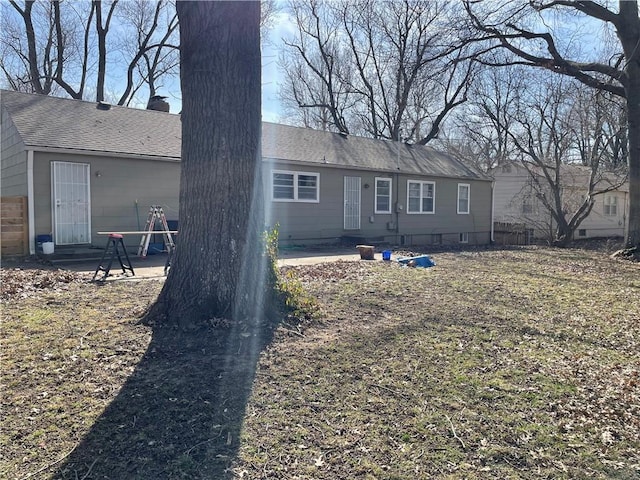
[31, 204]
[625, 225]
[395, 206]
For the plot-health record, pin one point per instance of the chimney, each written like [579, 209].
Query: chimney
[157, 102]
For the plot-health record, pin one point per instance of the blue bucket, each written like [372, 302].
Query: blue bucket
[40, 239]
[386, 255]
[43, 238]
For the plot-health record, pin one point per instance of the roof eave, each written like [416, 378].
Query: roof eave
[371, 169]
[95, 153]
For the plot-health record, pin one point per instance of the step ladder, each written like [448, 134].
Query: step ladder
[156, 214]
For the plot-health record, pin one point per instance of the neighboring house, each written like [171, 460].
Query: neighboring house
[87, 167]
[516, 203]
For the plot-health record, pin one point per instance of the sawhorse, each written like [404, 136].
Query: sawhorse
[114, 242]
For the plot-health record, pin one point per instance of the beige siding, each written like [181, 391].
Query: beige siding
[116, 185]
[597, 224]
[14, 160]
[324, 221]
[511, 190]
[509, 195]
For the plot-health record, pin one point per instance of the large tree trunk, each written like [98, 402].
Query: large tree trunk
[218, 268]
[633, 105]
[629, 34]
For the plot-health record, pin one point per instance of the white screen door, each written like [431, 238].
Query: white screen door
[351, 203]
[71, 207]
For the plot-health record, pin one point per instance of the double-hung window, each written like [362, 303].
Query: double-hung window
[383, 195]
[464, 190]
[611, 205]
[421, 197]
[287, 186]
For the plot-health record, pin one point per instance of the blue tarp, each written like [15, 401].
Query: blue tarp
[421, 261]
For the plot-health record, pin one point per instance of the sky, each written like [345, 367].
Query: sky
[271, 49]
[281, 26]
[271, 107]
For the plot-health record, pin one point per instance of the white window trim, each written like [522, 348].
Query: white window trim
[422, 183]
[468, 199]
[375, 194]
[295, 198]
[463, 237]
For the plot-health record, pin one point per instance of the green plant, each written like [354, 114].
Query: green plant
[291, 296]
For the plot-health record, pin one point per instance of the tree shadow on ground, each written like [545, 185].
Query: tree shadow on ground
[179, 415]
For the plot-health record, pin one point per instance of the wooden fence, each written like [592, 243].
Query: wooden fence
[14, 226]
[511, 234]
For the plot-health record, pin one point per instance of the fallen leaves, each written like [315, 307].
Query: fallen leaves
[494, 364]
[21, 283]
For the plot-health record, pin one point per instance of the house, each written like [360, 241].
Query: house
[517, 205]
[88, 167]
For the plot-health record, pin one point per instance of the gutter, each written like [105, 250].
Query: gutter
[95, 153]
[380, 170]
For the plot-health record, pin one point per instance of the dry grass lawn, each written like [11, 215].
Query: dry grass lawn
[521, 363]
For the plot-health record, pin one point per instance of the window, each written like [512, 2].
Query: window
[464, 237]
[529, 235]
[420, 197]
[506, 169]
[527, 207]
[611, 205]
[295, 186]
[463, 197]
[383, 195]
[582, 232]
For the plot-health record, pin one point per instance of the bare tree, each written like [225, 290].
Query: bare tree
[318, 72]
[477, 133]
[375, 68]
[599, 123]
[218, 269]
[521, 28]
[564, 151]
[102, 29]
[50, 47]
[153, 56]
[29, 61]
[268, 11]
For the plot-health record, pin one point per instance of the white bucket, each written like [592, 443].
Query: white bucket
[47, 248]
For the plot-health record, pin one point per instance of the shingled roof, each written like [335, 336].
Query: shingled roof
[46, 122]
[51, 123]
[316, 147]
